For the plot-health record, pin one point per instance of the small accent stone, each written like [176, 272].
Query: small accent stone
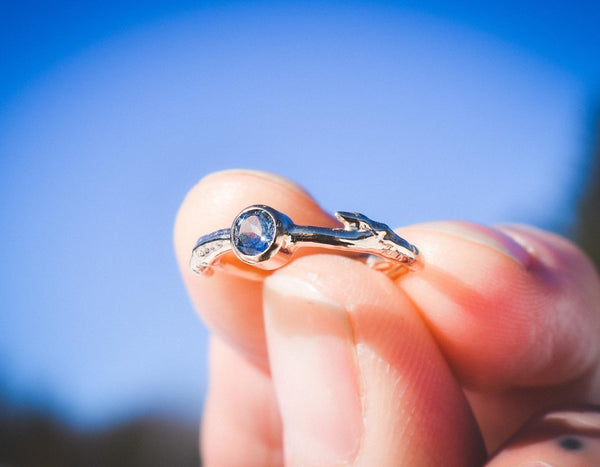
[254, 232]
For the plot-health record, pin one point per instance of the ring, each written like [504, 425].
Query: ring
[266, 238]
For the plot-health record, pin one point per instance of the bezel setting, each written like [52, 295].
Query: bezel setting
[274, 233]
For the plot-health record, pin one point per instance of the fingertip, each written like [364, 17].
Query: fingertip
[553, 252]
[231, 304]
[210, 202]
[509, 307]
[313, 365]
[259, 176]
[351, 332]
[215, 200]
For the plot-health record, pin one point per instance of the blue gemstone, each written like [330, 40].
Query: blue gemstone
[254, 232]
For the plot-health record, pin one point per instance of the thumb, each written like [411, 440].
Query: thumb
[358, 378]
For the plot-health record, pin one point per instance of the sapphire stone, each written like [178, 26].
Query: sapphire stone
[253, 232]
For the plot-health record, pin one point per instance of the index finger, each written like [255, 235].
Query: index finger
[230, 305]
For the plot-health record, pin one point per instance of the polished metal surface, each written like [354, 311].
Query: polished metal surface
[360, 236]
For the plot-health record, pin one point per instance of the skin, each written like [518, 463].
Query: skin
[327, 362]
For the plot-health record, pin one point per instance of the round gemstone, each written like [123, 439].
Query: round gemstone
[254, 232]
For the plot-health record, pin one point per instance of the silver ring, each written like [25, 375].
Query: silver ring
[266, 238]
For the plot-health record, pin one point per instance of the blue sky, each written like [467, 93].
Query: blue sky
[110, 111]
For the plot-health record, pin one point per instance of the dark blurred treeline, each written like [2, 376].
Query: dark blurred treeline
[39, 439]
[587, 229]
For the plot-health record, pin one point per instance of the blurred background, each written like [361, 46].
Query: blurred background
[110, 111]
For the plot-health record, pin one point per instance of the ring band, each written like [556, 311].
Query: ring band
[266, 238]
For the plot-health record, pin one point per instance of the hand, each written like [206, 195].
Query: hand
[328, 362]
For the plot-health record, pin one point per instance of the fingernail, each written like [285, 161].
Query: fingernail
[575, 419]
[313, 365]
[483, 235]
